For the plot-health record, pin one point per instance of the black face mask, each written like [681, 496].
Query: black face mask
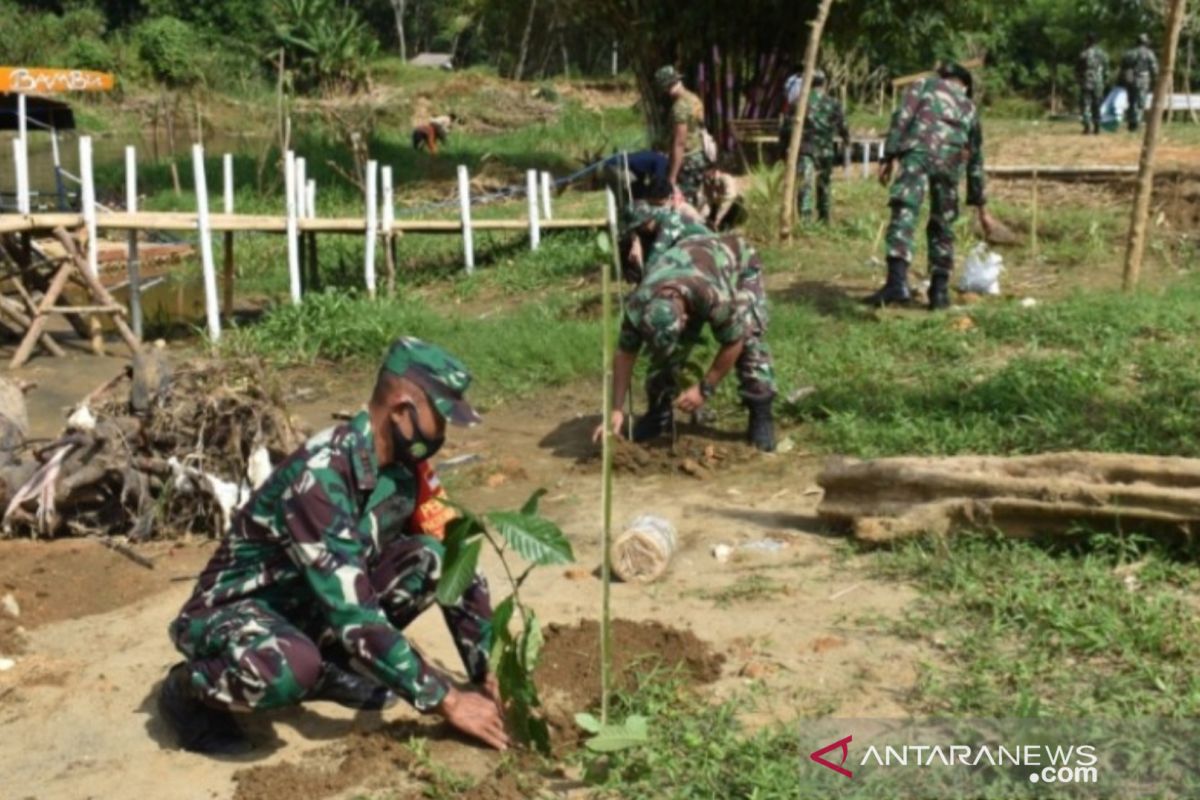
[420, 447]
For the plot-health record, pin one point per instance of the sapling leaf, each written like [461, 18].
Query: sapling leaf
[602, 243]
[588, 722]
[531, 505]
[535, 539]
[632, 732]
[531, 642]
[501, 637]
[463, 527]
[458, 573]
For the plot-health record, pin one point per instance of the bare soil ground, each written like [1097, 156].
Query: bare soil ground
[77, 714]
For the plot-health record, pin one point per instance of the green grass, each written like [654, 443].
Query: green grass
[1100, 626]
[1098, 371]
[510, 354]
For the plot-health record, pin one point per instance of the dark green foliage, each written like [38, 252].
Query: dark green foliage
[171, 50]
[328, 45]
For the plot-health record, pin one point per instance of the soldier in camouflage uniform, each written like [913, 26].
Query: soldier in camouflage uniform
[324, 567]
[713, 281]
[1092, 72]
[682, 132]
[1139, 68]
[651, 228]
[935, 133]
[824, 121]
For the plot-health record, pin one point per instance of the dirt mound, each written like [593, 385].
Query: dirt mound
[696, 456]
[362, 760]
[568, 675]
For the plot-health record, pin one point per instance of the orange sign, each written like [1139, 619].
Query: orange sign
[35, 80]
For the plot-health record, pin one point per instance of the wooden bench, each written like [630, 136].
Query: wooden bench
[757, 132]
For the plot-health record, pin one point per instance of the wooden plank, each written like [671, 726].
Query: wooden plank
[186, 222]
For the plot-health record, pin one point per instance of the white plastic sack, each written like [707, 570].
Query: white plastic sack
[981, 274]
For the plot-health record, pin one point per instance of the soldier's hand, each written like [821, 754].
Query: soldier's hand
[885, 172]
[617, 420]
[477, 715]
[690, 400]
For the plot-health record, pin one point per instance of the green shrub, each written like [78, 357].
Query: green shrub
[91, 53]
[171, 49]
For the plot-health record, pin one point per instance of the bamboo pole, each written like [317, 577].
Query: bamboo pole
[310, 212]
[787, 214]
[228, 270]
[547, 206]
[259, 223]
[211, 310]
[1141, 208]
[606, 486]
[134, 265]
[88, 202]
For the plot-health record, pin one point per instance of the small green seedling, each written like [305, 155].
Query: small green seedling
[514, 654]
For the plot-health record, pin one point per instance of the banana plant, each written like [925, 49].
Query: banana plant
[516, 632]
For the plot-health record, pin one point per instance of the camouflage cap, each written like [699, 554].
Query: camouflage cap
[952, 70]
[661, 325]
[443, 377]
[635, 215]
[819, 77]
[666, 77]
[1144, 38]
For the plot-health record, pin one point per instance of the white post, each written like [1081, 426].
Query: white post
[227, 181]
[135, 278]
[23, 160]
[531, 189]
[547, 209]
[21, 173]
[301, 188]
[293, 242]
[389, 202]
[464, 208]
[372, 223]
[87, 192]
[867, 148]
[212, 307]
[310, 199]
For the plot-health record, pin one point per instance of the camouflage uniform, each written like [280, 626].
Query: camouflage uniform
[687, 110]
[331, 547]
[1092, 72]
[934, 134]
[824, 121]
[1139, 68]
[720, 282]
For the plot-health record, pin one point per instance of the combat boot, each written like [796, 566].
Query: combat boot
[350, 689]
[761, 428]
[657, 419]
[939, 290]
[895, 290]
[198, 727]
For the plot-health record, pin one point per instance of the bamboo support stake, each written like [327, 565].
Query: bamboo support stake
[310, 212]
[787, 214]
[306, 281]
[212, 310]
[1141, 208]
[135, 267]
[293, 244]
[228, 272]
[98, 292]
[38, 324]
[606, 487]
[388, 221]
[531, 191]
[372, 224]
[464, 209]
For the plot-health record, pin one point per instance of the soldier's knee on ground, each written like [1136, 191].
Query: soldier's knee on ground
[278, 673]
